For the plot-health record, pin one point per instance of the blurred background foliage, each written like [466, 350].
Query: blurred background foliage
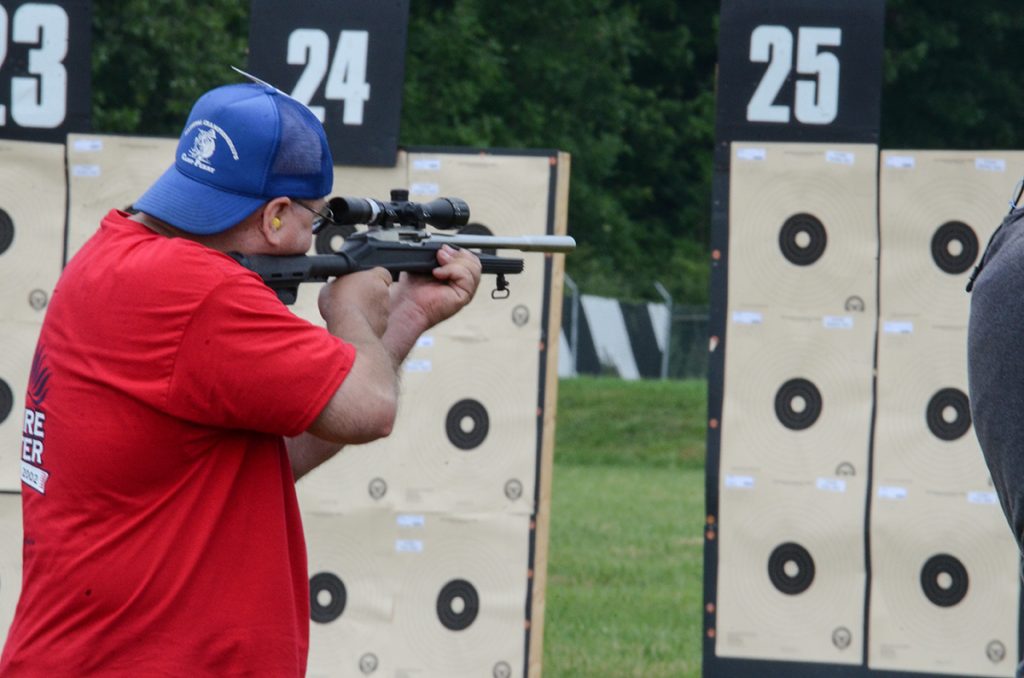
[626, 87]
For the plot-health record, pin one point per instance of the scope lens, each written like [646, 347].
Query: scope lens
[352, 211]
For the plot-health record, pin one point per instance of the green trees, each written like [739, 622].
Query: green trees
[952, 76]
[626, 87]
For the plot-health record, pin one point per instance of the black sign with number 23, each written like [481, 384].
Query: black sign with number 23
[44, 69]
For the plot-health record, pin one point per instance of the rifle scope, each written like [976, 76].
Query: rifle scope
[441, 213]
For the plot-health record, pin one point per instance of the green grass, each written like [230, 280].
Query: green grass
[625, 571]
[609, 421]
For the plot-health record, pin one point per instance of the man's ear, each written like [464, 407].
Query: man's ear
[272, 220]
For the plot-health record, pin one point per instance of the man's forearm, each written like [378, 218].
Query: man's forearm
[405, 326]
[306, 452]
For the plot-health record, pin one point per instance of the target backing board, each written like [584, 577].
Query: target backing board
[470, 422]
[19, 342]
[791, 578]
[797, 397]
[418, 594]
[945, 586]
[924, 438]
[32, 213]
[10, 558]
[108, 172]
[937, 212]
[803, 227]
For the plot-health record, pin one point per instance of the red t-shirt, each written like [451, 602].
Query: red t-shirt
[162, 532]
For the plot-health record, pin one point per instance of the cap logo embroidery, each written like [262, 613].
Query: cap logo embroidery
[204, 144]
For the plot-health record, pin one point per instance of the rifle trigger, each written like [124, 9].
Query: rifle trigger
[501, 290]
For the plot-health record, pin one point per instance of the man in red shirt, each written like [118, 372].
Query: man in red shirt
[173, 401]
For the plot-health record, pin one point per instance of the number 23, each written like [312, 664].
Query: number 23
[39, 101]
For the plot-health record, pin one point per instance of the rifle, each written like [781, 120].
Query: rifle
[396, 239]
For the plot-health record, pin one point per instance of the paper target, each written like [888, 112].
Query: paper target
[923, 432]
[937, 212]
[791, 578]
[460, 605]
[945, 585]
[352, 588]
[801, 222]
[31, 228]
[797, 398]
[108, 172]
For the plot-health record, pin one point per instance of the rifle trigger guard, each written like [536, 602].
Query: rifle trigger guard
[501, 290]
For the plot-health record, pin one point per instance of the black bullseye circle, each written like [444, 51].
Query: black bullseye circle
[786, 399]
[958, 232]
[791, 568]
[331, 237]
[458, 619]
[6, 400]
[935, 414]
[325, 582]
[951, 592]
[811, 228]
[6, 231]
[476, 414]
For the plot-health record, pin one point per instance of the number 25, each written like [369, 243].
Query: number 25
[815, 102]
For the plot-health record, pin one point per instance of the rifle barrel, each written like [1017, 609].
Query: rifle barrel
[524, 243]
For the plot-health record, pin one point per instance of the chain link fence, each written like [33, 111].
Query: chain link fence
[603, 336]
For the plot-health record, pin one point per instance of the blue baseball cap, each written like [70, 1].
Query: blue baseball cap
[242, 146]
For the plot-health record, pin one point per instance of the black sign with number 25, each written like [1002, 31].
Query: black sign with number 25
[44, 69]
[800, 70]
[345, 60]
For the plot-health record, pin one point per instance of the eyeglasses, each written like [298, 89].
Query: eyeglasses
[321, 219]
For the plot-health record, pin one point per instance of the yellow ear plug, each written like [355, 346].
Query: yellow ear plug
[276, 223]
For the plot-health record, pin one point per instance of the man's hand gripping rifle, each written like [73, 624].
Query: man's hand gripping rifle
[396, 239]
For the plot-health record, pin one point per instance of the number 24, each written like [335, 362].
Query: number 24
[346, 79]
[816, 102]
